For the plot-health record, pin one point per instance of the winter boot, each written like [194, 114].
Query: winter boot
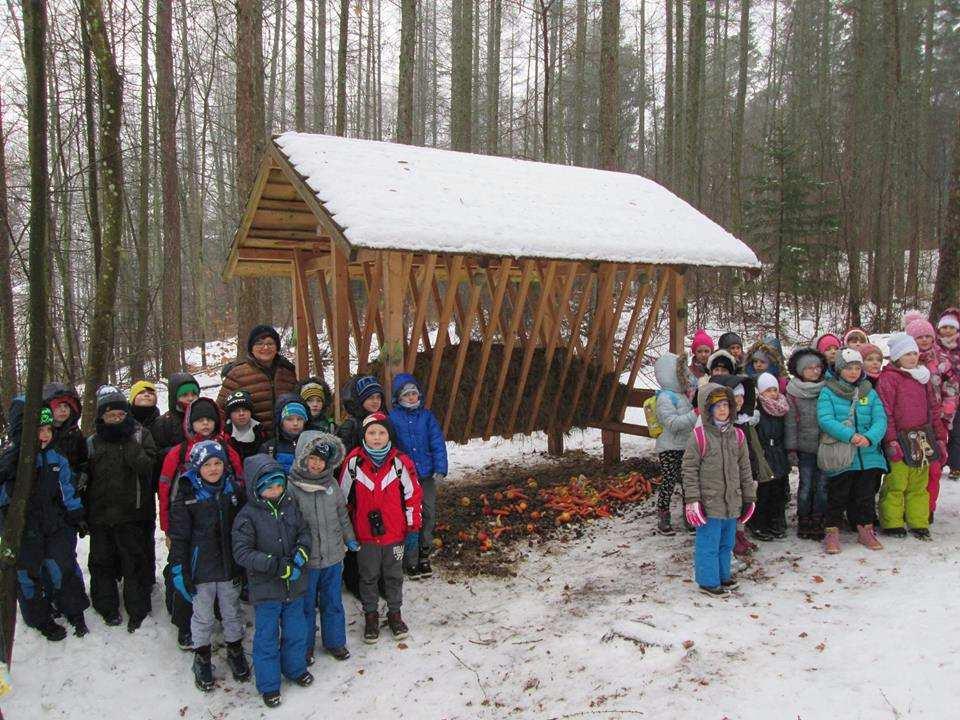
[778, 526]
[412, 573]
[954, 474]
[397, 626]
[816, 528]
[718, 591]
[79, 625]
[371, 627]
[340, 653]
[741, 546]
[133, 624]
[868, 538]
[113, 620]
[424, 569]
[803, 527]
[305, 680]
[831, 541]
[897, 532]
[52, 631]
[184, 640]
[203, 669]
[921, 534]
[237, 661]
[271, 699]
[664, 526]
[763, 534]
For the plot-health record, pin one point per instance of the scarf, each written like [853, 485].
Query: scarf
[408, 405]
[843, 389]
[722, 426]
[775, 408]
[144, 414]
[378, 456]
[247, 434]
[921, 373]
[949, 344]
[804, 389]
[118, 432]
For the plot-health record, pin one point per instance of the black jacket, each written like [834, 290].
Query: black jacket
[167, 430]
[120, 489]
[68, 440]
[201, 520]
[246, 449]
[770, 431]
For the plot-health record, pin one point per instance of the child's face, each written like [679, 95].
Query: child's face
[411, 397]
[316, 464]
[831, 353]
[738, 399]
[372, 404]
[185, 399]
[736, 351]
[272, 492]
[873, 362]
[701, 354]
[811, 373]
[721, 411]
[925, 342]
[114, 417]
[293, 424]
[376, 437]
[203, 427]
[909, 360]
[851, 373]
[240, 417]
[61, 413]
[719, 370]
[760, 365]
[948, 331]
[212, 470]
[854, 341]
[771, 393]
[147, 398]
[315, 405]
[44, 435]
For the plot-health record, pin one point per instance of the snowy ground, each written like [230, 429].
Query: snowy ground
[606, 626]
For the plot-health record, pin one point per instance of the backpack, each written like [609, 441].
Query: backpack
[397, 468]
[650, 412]
[701, 435]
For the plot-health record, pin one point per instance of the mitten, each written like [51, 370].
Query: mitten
[894, 451]
[695, 515]
[286, 570]
[294, 574]
[300, 557]
[180, 583]
[353, 545]
[746, 512]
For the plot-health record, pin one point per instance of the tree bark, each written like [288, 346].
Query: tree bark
[736, 160]
[461, 40]
[579, 82]
[609, 85]
[319, 65]
[668, 99]
[341, 123]
[695, 50]
[90, 117]
[408, 49]
[299, 91]
[141, 238]
[946, 290]
[8, 345]
[493, 76]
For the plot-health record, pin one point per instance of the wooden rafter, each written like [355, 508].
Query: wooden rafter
[456, 268]
[373, 280]
[303, 286]
[568, 358]
[648, 326]
[608, 334]
[476, 283]
[422, 295]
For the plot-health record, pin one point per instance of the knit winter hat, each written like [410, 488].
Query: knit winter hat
[260, 332]
[377, 418]
[722, 358]
[847, 356]
[294, 409]
[238, 399]
[206, 450]
[138, 387]
[765, 381]
[408, 387]
[701, 339]
[274, 477]
[920, 327]
[366, 387]
[312, 390]
[323, 450]
[202, 408]
[728, 339]
[717, 396]
[827, 341]
[910, 315]
[759, 354]
[808, 360]
[109, 398]
[949, 319]
[739, 391]
[900, 344]
[46, 417]
[867, 349]
[188, 387]
[852, 332]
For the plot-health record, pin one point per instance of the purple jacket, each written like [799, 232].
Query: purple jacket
[908, 403]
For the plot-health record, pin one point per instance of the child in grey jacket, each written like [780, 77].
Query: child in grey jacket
[676, 416]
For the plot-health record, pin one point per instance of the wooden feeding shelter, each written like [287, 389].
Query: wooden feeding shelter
[521, 294]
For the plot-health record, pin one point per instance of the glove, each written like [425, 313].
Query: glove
[180, 583]
[894, 451]
[294, 574]
[286, 571]
[793, 458]
[300, 558]
[353, 545]
[694, 513]
[82, 528]
[746, 512]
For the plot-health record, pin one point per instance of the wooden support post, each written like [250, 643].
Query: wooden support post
[340, 314]
[678, 311]
[300, 327]
[394, 289]
[304, 286]
[609, 319]
[554, 443]
[611, 447]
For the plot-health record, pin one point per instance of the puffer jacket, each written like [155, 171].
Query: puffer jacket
[282, 446]
[942, 381]
[909, 404]
[869, 420]
[419, 435]
[720, 480]
[951, 380]
[201, 521]
[68, 440]
[167, 430]
[801, 426]
[770, 434]
[265, 385]
[674, 410]
[349, 429]
[120, 489]
[267, 535]
[392, 489]
[320, 500]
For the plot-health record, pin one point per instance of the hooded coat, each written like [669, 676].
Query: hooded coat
[801, 425]
[68, 440]
[770, 347]
[266, 536]
[909, 404]
[120, 488]
[419, 435]
[282, 446]
[167, 430]
[674, 411]
[321, 502]
[720, 480]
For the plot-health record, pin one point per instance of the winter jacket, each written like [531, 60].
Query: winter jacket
[942, 381]
[145, 415]
[674, 410]
[282, 446]
[324, 421]
[120, 489]
[720, 480]
[267, 535]
[801, 427]
[419, 435]
[369, 488]
[68, 440]
[909, 404]
[201, 521]
[349, 430]
[265, 385]
[168, 429]
[246, 448]
[747, 417]
[951, 380]
[175, 461]
[54, 504]
[770, 347]
[869, 419]
[771, 431]
[321, 502]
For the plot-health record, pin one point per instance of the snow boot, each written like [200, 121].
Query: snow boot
[831, 541]
[803, 527]
[203, 669]
[237, 661]
[113, 620]
[305, 680]
[921, 534]
[868, 538]
[731, 584]
[742, 546]
[954, 474]
[133, 624]
[424, 569]
[79, 625]
[310, 659]
[184, 640]
[897, 532]
[931, 517]
[412, 573]
[778, 526]
[271, 699]
[397, 626]
[816, 528]
[371, 627]
[718, 591]
[763, 534]
[340, 653]
[52, 631]
[664, 526]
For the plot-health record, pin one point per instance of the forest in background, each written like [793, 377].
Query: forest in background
[822, 132]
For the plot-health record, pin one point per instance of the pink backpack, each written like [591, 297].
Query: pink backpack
[701, 435]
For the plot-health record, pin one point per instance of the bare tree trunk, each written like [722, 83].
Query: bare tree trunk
[319, 65]
[678, 98]
[493, 76]
[8, 344]
[946, 291]
[695, 50]
[579, 81]
[299, 91]
[642, 89]
[90, 116]
[736, 161]
[462, 75]
[138, 357]
[668, 99]
[609, 85]
[408, 29]
[341, 126]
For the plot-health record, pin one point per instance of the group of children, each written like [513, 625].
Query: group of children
[730, 425]
[245, 516]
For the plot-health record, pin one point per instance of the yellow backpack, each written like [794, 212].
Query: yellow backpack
[650, 414]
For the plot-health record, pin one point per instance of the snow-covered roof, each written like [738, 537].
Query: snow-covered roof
[390, 196]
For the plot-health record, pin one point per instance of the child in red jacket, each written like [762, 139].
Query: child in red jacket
[383, 496]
